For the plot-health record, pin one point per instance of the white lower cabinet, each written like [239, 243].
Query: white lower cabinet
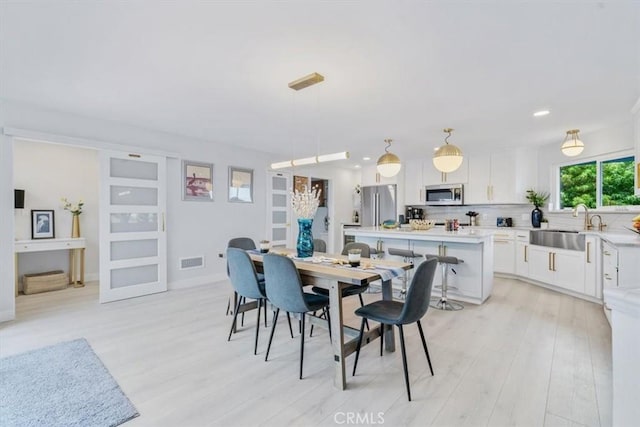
[504, 252]
[592, 276]
[522, 253]
[559, 267]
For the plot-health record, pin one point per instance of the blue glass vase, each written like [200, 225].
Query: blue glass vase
[536, 217]
[304, 245]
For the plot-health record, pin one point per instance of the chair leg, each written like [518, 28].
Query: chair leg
[311, 328]
[366, 321]
[404, 362]
[273, 328]
[355, 363]
[235, 318]
[244, 301]
[326, 312]
[255, 346]
[381, 338]
[302, 342]
[290, 328]
[265, 313]
[228, 306]
[424, 344]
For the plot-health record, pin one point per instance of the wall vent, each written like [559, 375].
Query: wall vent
[192, 262]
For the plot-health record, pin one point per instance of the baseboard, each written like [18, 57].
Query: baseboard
[7, 315]
[197, 281]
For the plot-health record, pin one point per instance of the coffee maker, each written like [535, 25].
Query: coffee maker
[414, 213]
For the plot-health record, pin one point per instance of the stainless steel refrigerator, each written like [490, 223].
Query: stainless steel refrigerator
[379, 203]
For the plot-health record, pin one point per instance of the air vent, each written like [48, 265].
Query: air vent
[190, 263]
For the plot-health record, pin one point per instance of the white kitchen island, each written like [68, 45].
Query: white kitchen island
[473, 278]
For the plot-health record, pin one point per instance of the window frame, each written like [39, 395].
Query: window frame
[599, 159]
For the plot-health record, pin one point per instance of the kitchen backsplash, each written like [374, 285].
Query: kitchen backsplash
[521, 216]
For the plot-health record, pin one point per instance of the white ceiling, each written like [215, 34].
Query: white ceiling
[404, 70]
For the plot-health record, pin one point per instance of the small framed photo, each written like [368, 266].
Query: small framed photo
[240, 185]
[197, 181]
[42, 224]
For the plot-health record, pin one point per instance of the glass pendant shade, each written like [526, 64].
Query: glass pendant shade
[448, 157]
[572, 146]
[388, 164]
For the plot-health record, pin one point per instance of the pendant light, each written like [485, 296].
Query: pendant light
[448, 157]
[572, 146]
[388, 164]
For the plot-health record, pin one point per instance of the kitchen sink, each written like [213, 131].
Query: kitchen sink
[562, 239]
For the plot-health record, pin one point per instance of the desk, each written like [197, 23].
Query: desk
[75, 246]
[335, 279]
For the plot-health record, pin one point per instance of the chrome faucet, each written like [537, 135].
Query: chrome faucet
[601, 226]
[587, 224]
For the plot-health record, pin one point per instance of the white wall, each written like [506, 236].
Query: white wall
[193, 228]
[48, 172]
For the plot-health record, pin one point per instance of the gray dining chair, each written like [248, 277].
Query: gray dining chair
[284, 290]
[390, 312]
[245, 282]
[351, 289]
[319, 245]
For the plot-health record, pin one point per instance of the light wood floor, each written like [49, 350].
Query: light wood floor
[529, 357]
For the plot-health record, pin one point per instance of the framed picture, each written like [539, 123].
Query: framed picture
[197, 181]
[300, 183]
[42, 224]
[240, 185]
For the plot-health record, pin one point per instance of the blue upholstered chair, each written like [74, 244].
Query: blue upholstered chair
[284, 290]
[389, 312]
[245, 282]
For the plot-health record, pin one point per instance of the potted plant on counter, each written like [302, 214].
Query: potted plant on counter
[537, 199]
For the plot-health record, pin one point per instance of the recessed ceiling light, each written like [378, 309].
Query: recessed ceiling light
[541, 113]
[365, 158]
[357, 166]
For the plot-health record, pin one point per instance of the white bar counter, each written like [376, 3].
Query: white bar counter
[473, 278]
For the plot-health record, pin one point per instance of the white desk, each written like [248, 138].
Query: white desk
[75, 246]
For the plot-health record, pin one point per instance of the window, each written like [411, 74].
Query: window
[598, 183]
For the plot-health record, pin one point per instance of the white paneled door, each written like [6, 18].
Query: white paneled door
[133, 242]
[278, 208]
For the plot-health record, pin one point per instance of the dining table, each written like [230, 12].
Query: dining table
[333, 272]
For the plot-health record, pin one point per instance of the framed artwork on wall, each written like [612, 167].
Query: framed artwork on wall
[300, 182]
[42, 224]
[197, 181]
[240, 185]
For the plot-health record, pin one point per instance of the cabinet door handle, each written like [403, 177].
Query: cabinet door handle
[606, 253]
[526, 254]
[554, 261]
[607, 277]
[588, 252]
[550, 269]
[443, 176]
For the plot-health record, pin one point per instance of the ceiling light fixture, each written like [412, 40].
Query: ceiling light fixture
[388, 164]
[306, 81]
[448, 157]
[541, 113]
[343, 155]
[366, 158]
[572, 146]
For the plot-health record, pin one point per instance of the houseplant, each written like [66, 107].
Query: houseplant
[76, 210]
[537, 199]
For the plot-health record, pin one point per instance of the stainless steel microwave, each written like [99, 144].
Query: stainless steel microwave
[444, 195]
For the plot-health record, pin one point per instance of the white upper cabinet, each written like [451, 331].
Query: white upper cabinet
[413, 182]
[370, 176]
[433, 176]
[501, 177]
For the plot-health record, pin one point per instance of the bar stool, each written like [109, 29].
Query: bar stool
[407, 256]
[443, 303]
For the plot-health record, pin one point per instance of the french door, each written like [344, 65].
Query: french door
[278, 208]
[133, 249]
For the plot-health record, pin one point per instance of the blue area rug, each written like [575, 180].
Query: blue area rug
[62, 385]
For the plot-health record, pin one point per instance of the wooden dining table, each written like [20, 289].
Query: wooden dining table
[335, 277]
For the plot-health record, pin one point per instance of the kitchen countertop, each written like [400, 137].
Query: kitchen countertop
[465, 235]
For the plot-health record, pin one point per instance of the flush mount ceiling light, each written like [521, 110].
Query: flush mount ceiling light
[448, 157]
[572, 146]
[306, 81]
[541, 113]
[388, 164]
